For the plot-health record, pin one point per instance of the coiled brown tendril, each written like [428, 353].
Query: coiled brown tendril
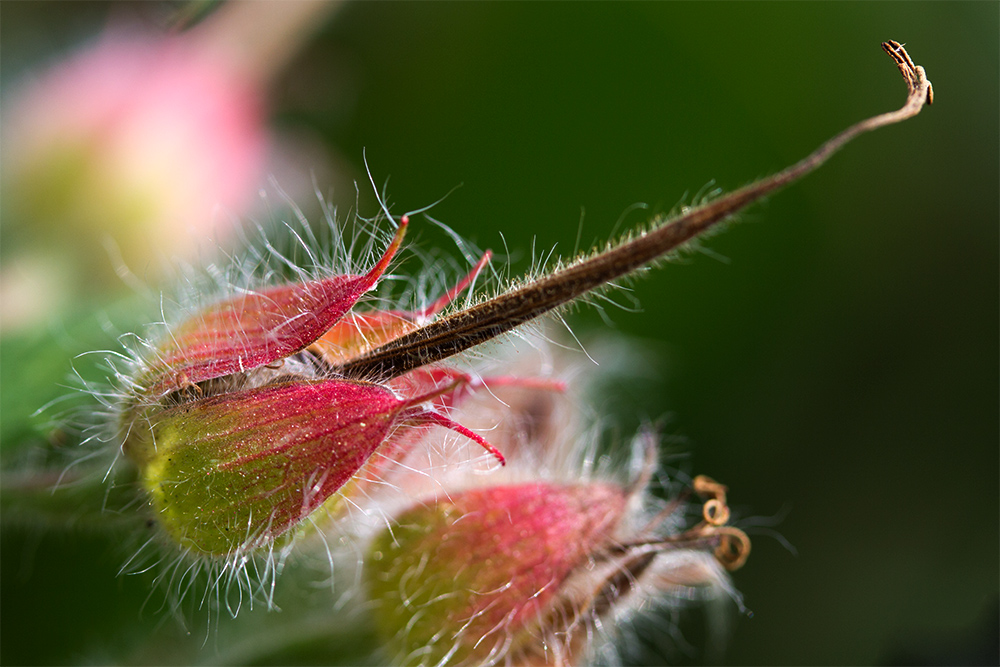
[733, 544]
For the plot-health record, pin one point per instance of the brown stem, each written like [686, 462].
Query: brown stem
[478, 324]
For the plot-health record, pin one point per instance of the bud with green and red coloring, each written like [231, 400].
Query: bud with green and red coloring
[240, 433]
[476, 577]
[238, 470]
[521, 574]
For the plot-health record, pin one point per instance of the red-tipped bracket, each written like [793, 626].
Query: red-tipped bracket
[450, 295]
[428, 417]
[390, 252]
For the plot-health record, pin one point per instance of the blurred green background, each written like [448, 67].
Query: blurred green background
[833, 359]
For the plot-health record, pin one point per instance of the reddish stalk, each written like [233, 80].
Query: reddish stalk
[489, 319]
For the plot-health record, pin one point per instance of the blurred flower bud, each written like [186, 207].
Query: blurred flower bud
[474, 577]
[520, 574]
[142, 149]
[147, 140]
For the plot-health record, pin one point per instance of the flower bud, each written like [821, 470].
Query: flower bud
[237, 470]
[519, 574]
[256, 329]
[239, 435]
[141, 137]
[475, 576]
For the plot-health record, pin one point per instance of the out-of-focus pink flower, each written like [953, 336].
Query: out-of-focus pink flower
[154, 142]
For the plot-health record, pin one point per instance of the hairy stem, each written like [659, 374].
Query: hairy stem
[478, 324]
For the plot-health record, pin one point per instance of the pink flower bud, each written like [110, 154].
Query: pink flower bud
[519, 574]
[240, 435]
[472, 577]
[237, 470]
[255, 329]
[147, 139]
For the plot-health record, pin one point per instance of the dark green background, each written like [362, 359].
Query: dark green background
[839, 368]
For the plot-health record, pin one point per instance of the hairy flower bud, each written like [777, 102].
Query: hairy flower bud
[517, 574]
[256, 329]
[239, 434]
[239, 469]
